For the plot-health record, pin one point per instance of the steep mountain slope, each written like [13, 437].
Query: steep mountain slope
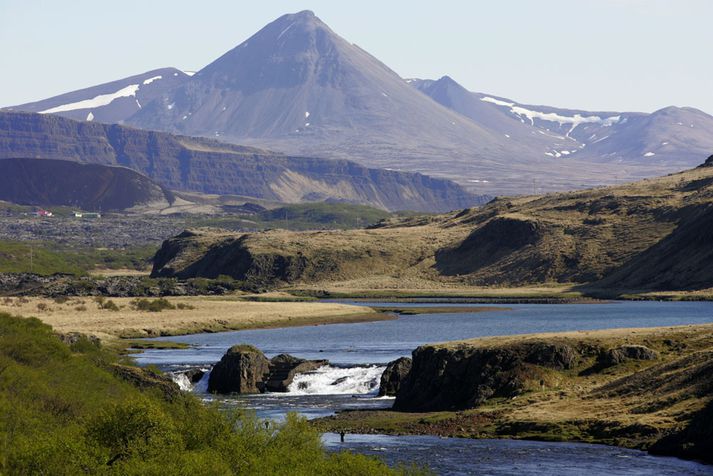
[653, 234]
[672, 137]
[110, 102]
[202, 165]
[298, 86]
[86, 186]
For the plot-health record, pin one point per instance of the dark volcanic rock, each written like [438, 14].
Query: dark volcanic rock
[465, 377]
[623, 353]
[393, 375]
[283, 369]
[242, 369]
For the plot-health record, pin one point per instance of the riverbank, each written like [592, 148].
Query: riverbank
[561, 387]
[186, 315]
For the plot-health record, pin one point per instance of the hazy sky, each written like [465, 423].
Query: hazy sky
[592, 54]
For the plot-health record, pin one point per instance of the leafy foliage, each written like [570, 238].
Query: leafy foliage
[63, 412]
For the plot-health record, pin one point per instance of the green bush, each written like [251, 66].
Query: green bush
[148, 305]
[64, 412]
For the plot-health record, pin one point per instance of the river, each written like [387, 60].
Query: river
[358, 353]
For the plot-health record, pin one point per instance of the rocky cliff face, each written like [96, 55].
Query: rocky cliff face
[203, 165]
[394, 374]
[466, 377]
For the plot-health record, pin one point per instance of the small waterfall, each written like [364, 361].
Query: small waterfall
[330, 380]
[182, 381]
[185, 384]
[202, 385]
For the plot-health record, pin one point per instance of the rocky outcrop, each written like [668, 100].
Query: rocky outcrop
[283, 369]
[245, 369]
[146, 380]
[241, 370]
[393, 375]
[443, 378]
[623, 353]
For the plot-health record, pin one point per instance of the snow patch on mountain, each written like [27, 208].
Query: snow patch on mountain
[97, 101]
[151, 80]
[530, 114]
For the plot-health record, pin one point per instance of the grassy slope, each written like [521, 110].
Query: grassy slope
[64, 411]
[633, 404]
[49, 259]
[562, 238]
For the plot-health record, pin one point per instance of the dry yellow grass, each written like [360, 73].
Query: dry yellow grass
[215, 314]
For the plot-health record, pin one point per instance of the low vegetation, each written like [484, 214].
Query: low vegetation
[651, 235]
[46, 258]
[110, 319]
[66, 410]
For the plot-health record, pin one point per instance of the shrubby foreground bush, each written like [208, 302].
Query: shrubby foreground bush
[63, 412]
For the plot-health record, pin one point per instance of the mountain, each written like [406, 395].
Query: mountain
[649, 235]
[208, 166]
[299, 88]
[112, 102]
[92, 187]
[672, 137]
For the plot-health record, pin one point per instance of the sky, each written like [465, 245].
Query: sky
[617, 55]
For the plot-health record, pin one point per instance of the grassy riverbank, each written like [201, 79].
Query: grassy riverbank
[78, 409]
[114, 318]
[664, 404]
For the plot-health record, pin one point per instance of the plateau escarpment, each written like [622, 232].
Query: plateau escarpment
[208, 166]
[648, 235]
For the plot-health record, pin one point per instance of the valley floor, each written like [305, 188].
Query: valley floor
[190, 315]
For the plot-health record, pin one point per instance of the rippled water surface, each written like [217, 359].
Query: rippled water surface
[358, 352]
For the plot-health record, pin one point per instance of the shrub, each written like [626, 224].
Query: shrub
[147, 305]
[106, 304]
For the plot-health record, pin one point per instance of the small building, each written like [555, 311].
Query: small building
[43, 213]
[87, 215]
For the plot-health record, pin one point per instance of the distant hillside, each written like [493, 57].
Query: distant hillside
[94, 187]
[649, 235]
[204, 165]
[674, 137]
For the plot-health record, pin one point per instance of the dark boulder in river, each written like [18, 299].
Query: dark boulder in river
[393, 375]
[245, 369]
[242, 369]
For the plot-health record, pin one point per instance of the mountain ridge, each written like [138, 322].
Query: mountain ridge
[298, 87]
[207, 166]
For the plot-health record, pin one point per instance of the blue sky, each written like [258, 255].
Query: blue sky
[592, 54]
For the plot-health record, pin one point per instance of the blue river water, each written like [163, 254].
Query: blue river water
[358, 352]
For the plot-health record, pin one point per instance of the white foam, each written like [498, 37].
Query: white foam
[151, 80]
[329, 380]
[97, 101]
